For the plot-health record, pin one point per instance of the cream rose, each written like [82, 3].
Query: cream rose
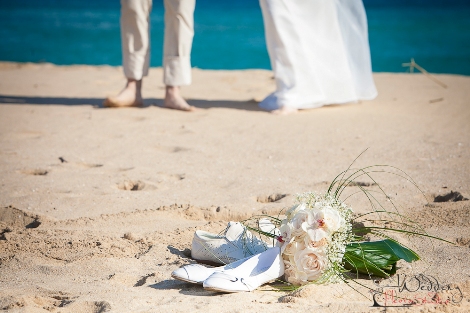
[314, 244]
[293, 247]
[309, 263]
[289, 272]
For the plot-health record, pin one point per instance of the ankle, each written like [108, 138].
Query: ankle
[172, 91]
[134, 86]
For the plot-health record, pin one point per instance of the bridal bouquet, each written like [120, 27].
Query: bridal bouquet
[321, 241]
[313, 238]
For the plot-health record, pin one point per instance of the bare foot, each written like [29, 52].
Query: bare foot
[174, 100]
[130, 96]
[285, 111]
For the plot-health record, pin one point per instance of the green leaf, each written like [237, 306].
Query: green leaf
[377, 258]
[362, 265]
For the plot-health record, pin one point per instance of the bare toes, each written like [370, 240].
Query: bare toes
[179, 104]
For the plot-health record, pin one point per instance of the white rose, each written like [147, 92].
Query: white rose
[333, 221]
[310, 263]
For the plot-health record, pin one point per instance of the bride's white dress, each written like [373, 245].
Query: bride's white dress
[319, 52]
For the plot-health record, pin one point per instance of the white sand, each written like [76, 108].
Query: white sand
[199, 171]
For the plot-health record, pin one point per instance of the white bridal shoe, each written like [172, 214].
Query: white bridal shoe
[197, 274]
[236, 243]
[249, 275]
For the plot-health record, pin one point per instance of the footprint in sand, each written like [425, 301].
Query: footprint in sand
[35, 172]
[463, 241]
[132, 185]
[135, 185]
[452, 196]
[49, 303]
[13, 217]
[64, 299]
[270, 198]
[10, 303]
[89, 306]
[80, 164]
[89, 165]
[125, 169]
[143, 280]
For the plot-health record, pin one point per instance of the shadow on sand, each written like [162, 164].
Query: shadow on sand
[249, 105]
[184, 288]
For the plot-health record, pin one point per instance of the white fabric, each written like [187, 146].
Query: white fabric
[319, 52]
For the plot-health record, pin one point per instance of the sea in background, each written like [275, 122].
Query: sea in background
[229, 34]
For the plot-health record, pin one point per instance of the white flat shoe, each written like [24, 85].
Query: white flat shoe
[197, 274]
[252, 273]
[237, 243]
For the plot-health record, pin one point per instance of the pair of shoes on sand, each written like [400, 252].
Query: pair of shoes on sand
[250, 261]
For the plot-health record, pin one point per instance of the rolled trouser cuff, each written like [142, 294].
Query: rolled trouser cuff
[135, 67]
[135, 37]
[177, 70]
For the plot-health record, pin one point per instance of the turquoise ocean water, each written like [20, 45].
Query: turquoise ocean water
[229, 34]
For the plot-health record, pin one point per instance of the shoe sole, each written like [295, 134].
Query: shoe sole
[224, 290]
[211, 263]
[186, 280]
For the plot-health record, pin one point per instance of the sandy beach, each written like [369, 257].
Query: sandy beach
[99, 206]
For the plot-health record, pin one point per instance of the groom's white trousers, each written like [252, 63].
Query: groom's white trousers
[179, 32]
